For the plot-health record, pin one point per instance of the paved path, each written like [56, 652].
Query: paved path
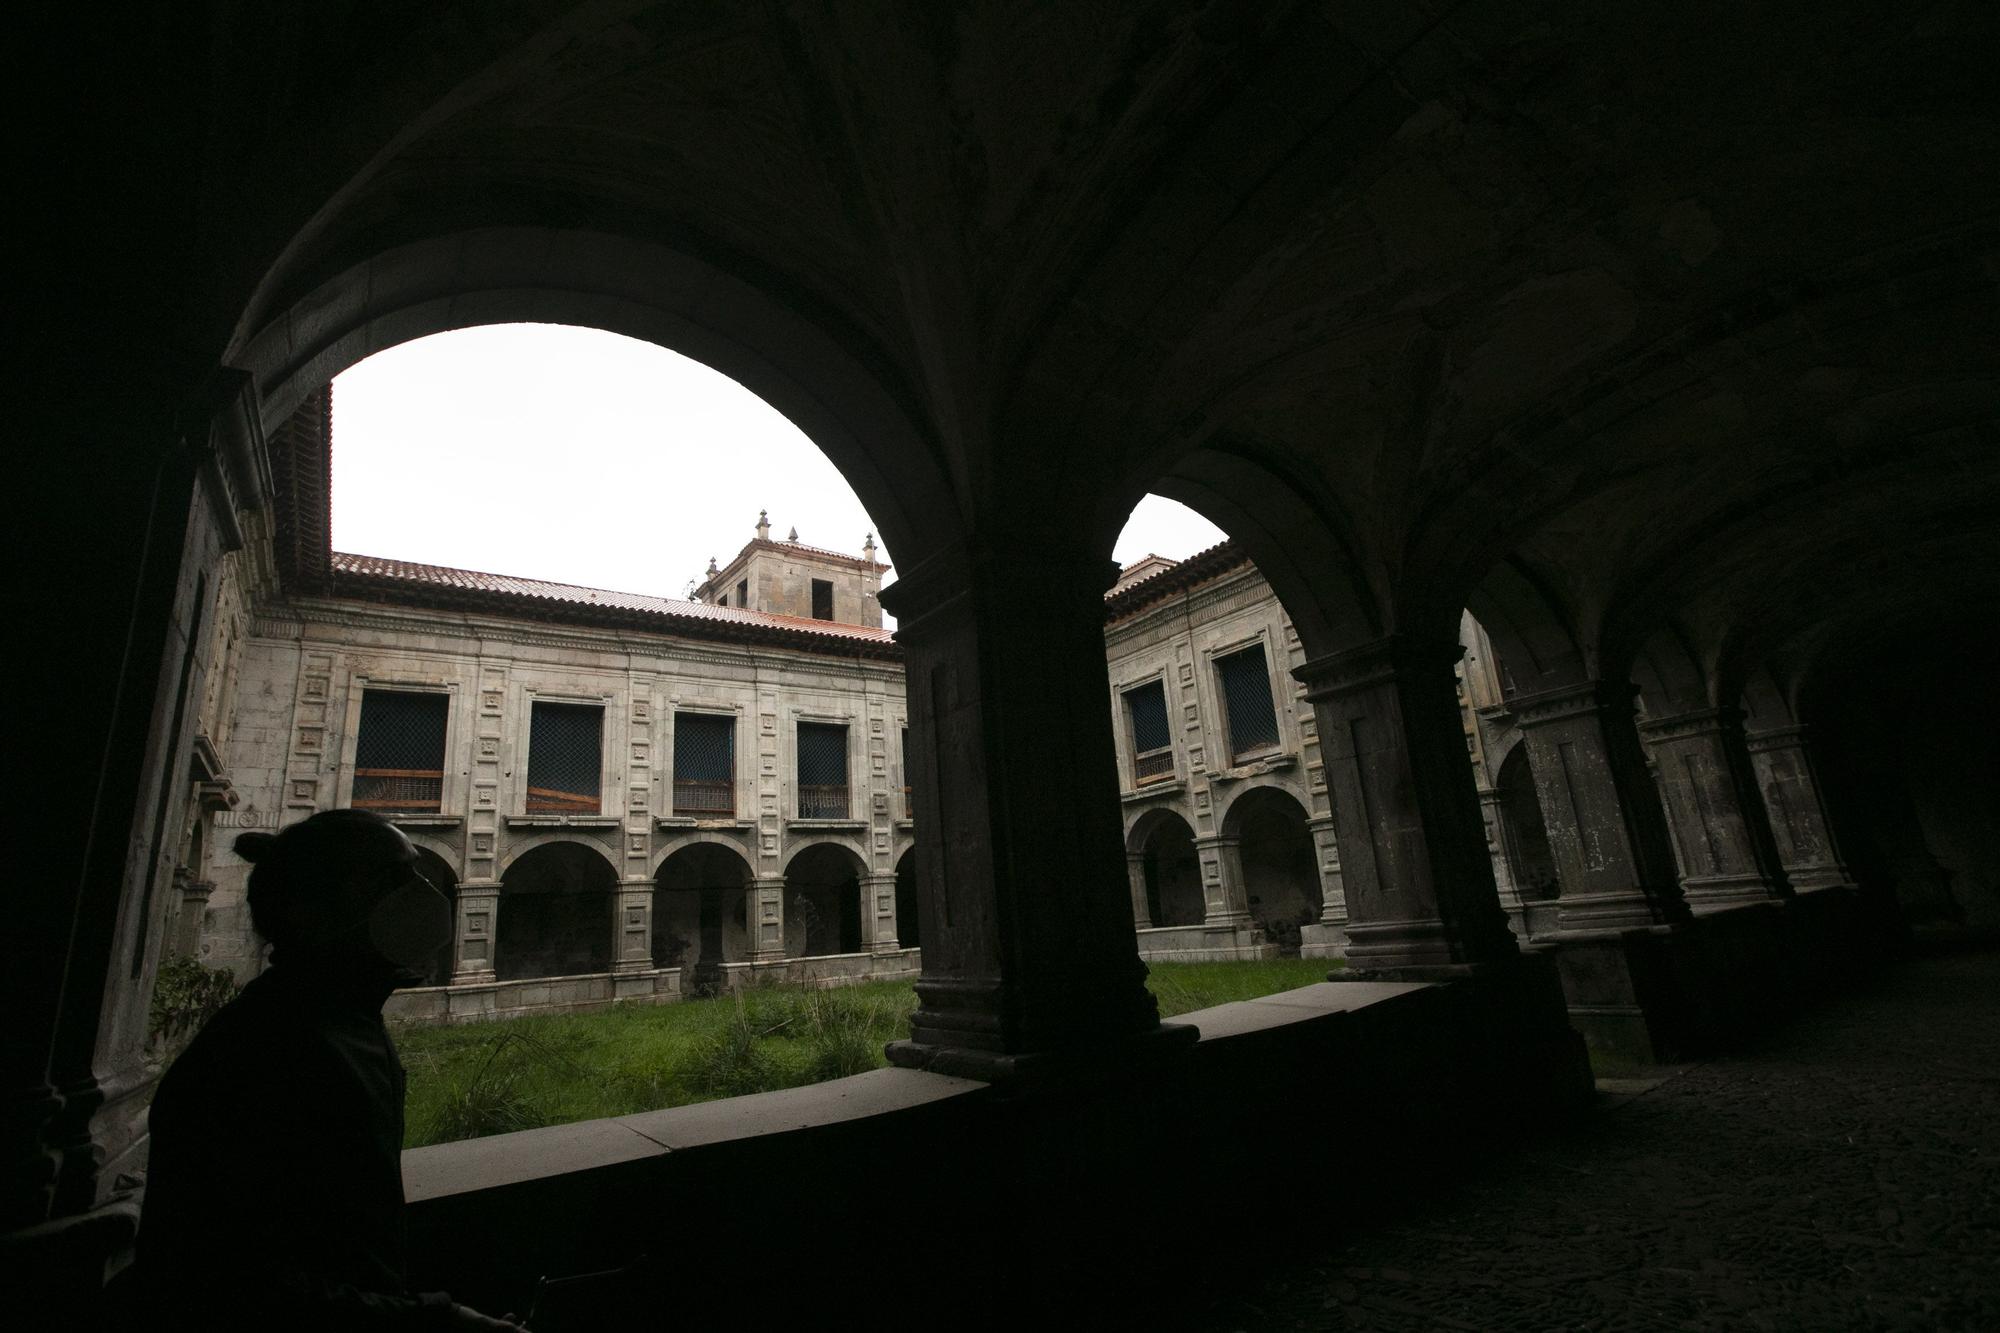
[1846, 1176]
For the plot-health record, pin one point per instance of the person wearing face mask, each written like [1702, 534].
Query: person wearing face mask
[274, 1193]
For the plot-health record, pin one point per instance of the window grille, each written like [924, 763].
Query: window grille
[909, 804]
[1246, 693]
[399, 752]
[565, 758]
[822, 771]
[1152, 740]
[704, 764]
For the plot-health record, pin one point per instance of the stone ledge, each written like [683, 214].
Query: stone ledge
[562, 821]
[1171, 787]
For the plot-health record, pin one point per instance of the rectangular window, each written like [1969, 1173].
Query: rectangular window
[399, 754]
[1152, 740]
[822, 600]
[704, 765]
[565, 758]
[1246, 694]
[822, 771]
[743, 592]
[909, 806]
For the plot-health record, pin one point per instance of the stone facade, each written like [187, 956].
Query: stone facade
[305, 664]
[1230, 846]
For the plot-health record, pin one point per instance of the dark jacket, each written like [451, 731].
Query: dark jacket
[274, 1194]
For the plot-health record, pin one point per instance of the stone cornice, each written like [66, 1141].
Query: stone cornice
[1567, 701]
[279, 622]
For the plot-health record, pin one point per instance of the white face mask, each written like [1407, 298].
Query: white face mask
[409, 924]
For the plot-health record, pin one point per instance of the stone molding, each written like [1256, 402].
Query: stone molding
[1371, 665]
[1790, 737]
[1699, 722]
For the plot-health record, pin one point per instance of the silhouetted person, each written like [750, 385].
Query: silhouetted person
[274, 1197]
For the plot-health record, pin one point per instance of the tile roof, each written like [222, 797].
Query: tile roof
[1126, 598]
[354, 574]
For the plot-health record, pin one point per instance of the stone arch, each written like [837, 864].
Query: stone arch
[909, 923]
[823, 899]
[682, 841]
[1535, 639]
[556, 912]
[1172, 870]
[823, 376]
[1671, 674]
[438, 871]
[1524, 832]
[520, 847]
[1274, 849]
[701, 910]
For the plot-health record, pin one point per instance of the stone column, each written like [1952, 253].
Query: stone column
[1598, 801]
[1417, 881]
[632, 929]
[767, 918]
[1719, 827]
[1225, 897]
[1029, 955]
[1781, 757]
[478, 929]
[193, 907]
[1135, 875]
[878, 913]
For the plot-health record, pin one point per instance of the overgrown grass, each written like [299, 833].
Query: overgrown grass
[491, 1078]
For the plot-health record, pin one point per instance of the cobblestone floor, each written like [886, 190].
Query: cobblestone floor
[1844, 1176]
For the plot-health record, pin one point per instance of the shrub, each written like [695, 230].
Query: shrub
[186, 994]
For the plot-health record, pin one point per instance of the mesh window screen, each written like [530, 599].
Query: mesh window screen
[565, 757]
[1246, 691]
[1149, 717]
[399, 753]
[704, 764]
[822, 771]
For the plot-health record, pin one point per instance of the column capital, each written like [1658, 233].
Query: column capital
[1371, 664]
[1566, 701]
[1213, 841]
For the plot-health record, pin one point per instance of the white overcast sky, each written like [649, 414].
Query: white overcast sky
[581, 456]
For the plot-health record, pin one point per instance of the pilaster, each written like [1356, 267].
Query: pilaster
[878, 913]
[632, 939]
[1782, 759]
[1727, 852]
[1417, 882]
[1135, 875]
[767, 918]
[478, 928]
[1606, 829]
[1225, 900]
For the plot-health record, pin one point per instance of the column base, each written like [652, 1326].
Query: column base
[1720, 893]
[1593, 912]
[1323, 939]
[1101, 1058]
[1423, 943]
[483, 977]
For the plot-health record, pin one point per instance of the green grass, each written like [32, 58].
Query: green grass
[490, 1078]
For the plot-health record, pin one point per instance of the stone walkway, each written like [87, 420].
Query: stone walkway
[1844, 1176]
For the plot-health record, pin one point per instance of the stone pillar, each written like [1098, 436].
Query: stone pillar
[766, 916]
[1135, 875]
[1727, 852]
[1332, 887]
[632, 926]
[1498, 850]
[1781, 757]
[1029, 955]
[1225, 897]
[193, 907]
[1417, 881]
[878, 913]
[1598, 801]
[478, 929]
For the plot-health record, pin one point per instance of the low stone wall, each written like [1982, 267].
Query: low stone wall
[1049, 1202]
[481, 1001]
[1203, 944]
